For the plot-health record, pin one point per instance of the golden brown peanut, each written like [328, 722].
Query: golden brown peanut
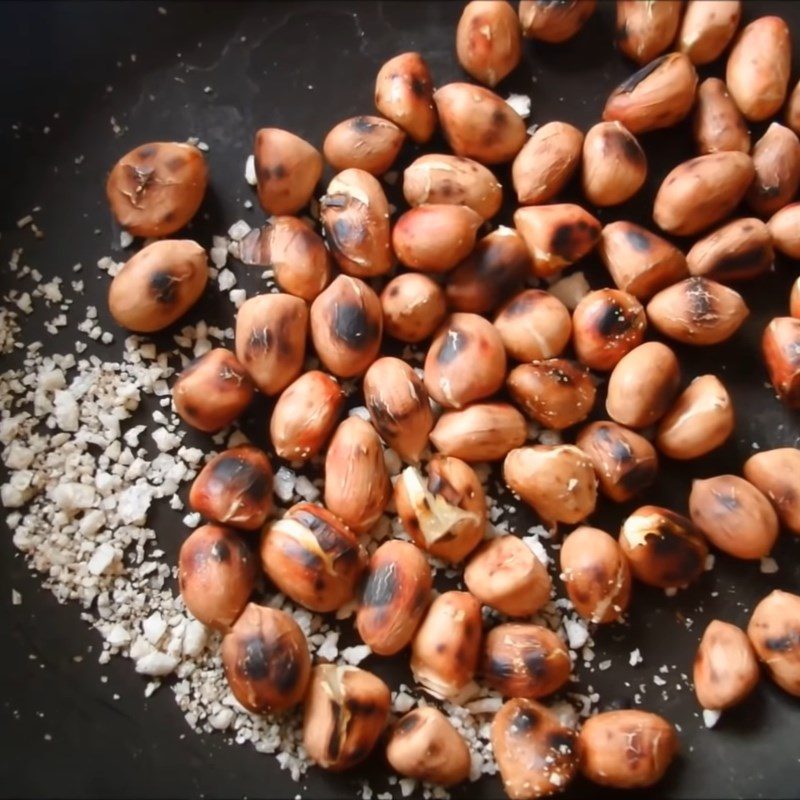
[394, 596]
[725, 666]
[774, 632]
[596, 574]
[794, 299]
[346, 710]
[557, 481]
[535, 753]
[480, 432]
[462, 342]
[404, 94]
[505, 574]
[355, 218]
[266, 660]
[625, 462]
[738, 251]
[645, 30]
[708, 27]
[793, 109]
[488, 40]
[235, 488]
[294, 252]
[702, 191]
[614, 164]
[212, 391]
[659, 95]
[781, 347]
[155, 189]
[758, 68]
[698, 311]
[347, 326]
[784, 227]
[446, 648]
[425, 746]
[435, 237]
[546, 163]
[158, 285]
[627, 749]
[556, 393]
[216, 575]
[271, 339]
[554, 22]
[363, 142]
[663, 548]
[414, 306]
[534, 325]
[287, 170]
[556, 235]
[479, 124]
[718, 124]
[776, 158]
[445, 514]
[776, 473]
[312, 557]
[357, 487]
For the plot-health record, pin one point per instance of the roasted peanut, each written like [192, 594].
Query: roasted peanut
[774, 632]
[781, 347]
[776, 473]
[776, 158]
[155, 189]
[554, 22]
[480, 432]
[212, 391]
[794, 299]
[793, 109]
[784, 227]
[395, 595]
[645, 30]
[404, 94]
[414, 306]
[642, 385]
[663, 548]
[312, 557]
[708, 27]
[740, 250]
[718, 124]
[488, 40]
[158, 285]
[364, 142]
[534, 325]
[216, 575]
[614, 164]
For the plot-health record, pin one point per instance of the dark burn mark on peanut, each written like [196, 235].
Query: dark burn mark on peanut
[561, 741]
[747, 262]
[362, 125]
[335, 742]
[535, 663]
[638, 241]
[163, 287]
[612, 320]
[630, 149]
[408, 723]
[783, 644]
[220, 551]
[525, 720]
[639, 476]
[240, 477]
[677, 556]
[499, 668]
[386, 422]
[570, 238]
[455, 342]
[381, 586]
[645, 72]
[358, 708]
[146, 152]
[351, 325]
[278, 172]
[255, 664]
[499, 118]
[175, 164]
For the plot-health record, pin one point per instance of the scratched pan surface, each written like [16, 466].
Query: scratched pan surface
[305, 66]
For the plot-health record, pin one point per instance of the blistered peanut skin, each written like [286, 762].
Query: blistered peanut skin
[780, 345]
[534, 325]
[364, 142]
[776, 473]
[725, 666]
[776, 157]
[614, 164]
[479, 432]
[708, 27]
[784, 227]
[718, 124]
[554, 22]
[414, 307]
[645, 31]
[404, 94]
[738, 251]
[774, 632]
[488, 40]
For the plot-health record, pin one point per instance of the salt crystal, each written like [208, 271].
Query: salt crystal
[355, 654]
[250, 171]
[284, 484]
[74, 496]
[156, 664]
[635, 657]
[328, 650]
[192, 520]
[407, 786]
[16, 598]
[226, 280]
[577, 633]
[102, 559]
[403, 703]
[537, 548]
[711, 717]
[194, 638]
[134, 503]
[486, 705]
[237, 297]
[359, 411]
[238, 230]
[125, 240]
[604, 665]
[66, 411]
[165, 441]
[154, 627]
[118, 636]
[571, 290]
[306, 489]
[769, 566]
[521, 103]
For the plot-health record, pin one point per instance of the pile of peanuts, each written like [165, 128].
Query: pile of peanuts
[467, 296]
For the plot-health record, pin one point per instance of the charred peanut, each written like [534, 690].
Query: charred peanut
[155, 189]
[158, 285]
[346, 710]
[627, 749]
[757, 73]
[794, 299]
[557, 481]
[488, 40]
[793, 109]
[640, 263]
[555, 393]
[774, 632]
[606, 325]
[435, 237]
[718, 124]
[522, 660]
[357, 487]
[535, 753]
[270, 339]
[725, 666]
[663, 548]
[404, 94]
[304, 416]
[708, 27]
[425, 746]
[480, 432]
[347, 326]
[614, 164]
[554, 22]
[534, 325]
[295, 253]
[781, 347]
[659, 95]
[645, 30]
[287, 170]
[784, 227]
[556, 235]
[546, 163]
[394, 596]
[698, 311]
[776, 158]
[596, 575]
[216, 575]
[235, 488]
[266, 660]
[702, 191]
[700, 421]
[734, 516]
[398, 406]
[414, 306]
[479, 124]
[740, 250]
[625, 462]
[445, 514]
[368, 143]
[776, 473]
[506, 575]
[446, 647]
[212, 391]
[449, 371]
[312, 557]
[642, 385]
[355, 218]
